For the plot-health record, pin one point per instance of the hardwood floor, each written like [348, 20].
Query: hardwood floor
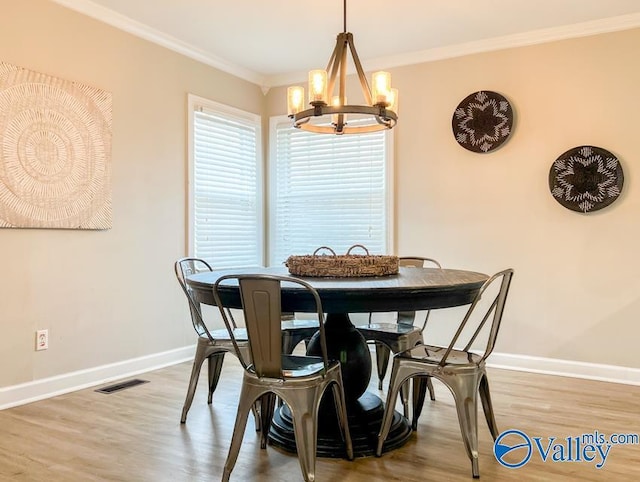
[135, 435]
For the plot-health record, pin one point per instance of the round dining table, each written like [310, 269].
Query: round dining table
[412, 289]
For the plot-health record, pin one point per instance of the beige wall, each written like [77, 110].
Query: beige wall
[576, 290]
[106, 296]
[110, 296]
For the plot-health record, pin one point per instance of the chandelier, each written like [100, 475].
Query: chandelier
[380, 111]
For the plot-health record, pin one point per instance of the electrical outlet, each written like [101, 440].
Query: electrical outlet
[42, 340]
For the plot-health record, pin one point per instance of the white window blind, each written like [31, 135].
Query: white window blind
[328, 190]
[226, 194]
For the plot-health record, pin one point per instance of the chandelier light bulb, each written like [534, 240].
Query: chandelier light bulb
[318, 86]
[295, 100]
[381, 88]
[392, 103]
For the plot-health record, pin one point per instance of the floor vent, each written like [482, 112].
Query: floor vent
[122, 386]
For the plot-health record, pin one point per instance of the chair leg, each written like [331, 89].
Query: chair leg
[244, 406]
[198, 359]
[420, 386]
[397, 374]
[487, 407]
[267, 406]
[419, 390]
[215, 367]
[305, 429]
[405, 393]
[257, 419]
[465, 389]
[343, 420]
[382, 361]
[432, 393]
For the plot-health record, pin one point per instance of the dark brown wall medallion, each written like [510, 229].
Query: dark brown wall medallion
[586, 178]
[483, 121]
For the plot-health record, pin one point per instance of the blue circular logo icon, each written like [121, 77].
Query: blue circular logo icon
[514, 444]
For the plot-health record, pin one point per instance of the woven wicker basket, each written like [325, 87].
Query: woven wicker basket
[342, 266]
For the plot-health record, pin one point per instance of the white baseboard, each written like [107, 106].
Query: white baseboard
[23, 393]
[566, 368]
[50, 387]
[563, 368]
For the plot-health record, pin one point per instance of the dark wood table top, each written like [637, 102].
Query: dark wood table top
[411, 289]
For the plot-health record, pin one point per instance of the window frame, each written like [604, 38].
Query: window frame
[193, 103]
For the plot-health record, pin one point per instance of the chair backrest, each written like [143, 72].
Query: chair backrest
[260, 295]
[183, 268]
[408, 317]
[418, 262]
[496, 309]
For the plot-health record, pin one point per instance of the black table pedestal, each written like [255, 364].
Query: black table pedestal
[365, 417]
[365, 410]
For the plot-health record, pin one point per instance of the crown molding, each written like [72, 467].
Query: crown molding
[553, 34]
[594, 27]
[533, 37]
[121, 22]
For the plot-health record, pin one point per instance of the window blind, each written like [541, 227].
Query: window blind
[226, 194]
[328, 191]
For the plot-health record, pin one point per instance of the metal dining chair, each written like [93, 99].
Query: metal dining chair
[214, 344]
[462, 370]
[299, 380]
[399, 336]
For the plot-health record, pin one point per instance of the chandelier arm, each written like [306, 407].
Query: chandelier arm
[363, 78]
[333, 58]
[343, 87]
[343, 73]
[334, 63]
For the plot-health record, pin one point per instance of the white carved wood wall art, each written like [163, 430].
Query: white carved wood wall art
[55, 152]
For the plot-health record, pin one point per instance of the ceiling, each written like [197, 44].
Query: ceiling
[274, 42]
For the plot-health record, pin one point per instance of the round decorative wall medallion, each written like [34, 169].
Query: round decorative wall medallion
[483, 121]
[586, 178]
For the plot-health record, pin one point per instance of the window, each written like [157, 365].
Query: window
[225, 185]
[328, 190]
